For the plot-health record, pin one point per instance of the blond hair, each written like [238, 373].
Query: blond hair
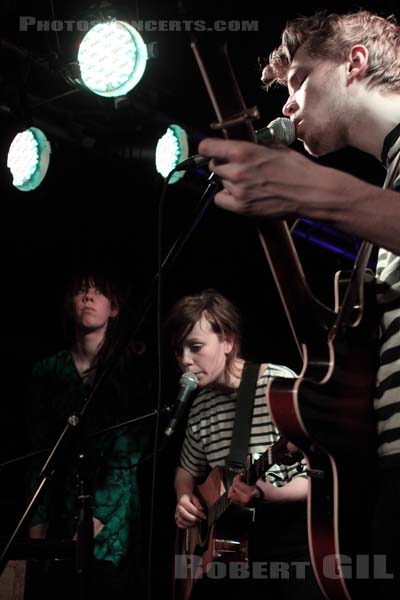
[331, 37]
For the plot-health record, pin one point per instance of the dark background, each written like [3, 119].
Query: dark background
[98, 208]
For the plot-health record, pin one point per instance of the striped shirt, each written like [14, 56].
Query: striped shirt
[210, 426]
[387, 398]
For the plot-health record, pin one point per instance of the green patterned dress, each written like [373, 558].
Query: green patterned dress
[57, 392]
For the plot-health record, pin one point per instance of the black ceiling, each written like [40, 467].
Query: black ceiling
[93, 202]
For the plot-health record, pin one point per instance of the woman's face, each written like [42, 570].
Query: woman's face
[203, 353]
[91, 309]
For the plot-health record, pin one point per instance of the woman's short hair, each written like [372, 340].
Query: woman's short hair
[220, 312]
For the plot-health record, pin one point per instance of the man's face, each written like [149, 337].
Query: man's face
[317, 102]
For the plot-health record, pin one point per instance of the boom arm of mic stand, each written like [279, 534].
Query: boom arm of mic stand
[19, 459]
[181, 241]
[179, 244]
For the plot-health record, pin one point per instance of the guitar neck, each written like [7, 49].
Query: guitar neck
[307, 317]
[277, 453]
[250, 476]
[224, 93]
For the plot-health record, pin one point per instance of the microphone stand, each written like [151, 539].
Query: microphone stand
[85, 530]
[84, 546]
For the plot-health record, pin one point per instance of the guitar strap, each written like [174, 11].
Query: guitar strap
[236, 461]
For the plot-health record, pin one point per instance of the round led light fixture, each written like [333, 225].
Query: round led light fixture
[28, 159]
[172, 148]
[112, 58]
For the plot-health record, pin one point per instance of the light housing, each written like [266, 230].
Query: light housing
[112, 58]
[172, 148]
[28, 159]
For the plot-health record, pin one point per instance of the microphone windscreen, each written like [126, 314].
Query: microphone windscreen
[284, 131]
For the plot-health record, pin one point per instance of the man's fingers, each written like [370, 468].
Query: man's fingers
[224, 199]
[226, 150]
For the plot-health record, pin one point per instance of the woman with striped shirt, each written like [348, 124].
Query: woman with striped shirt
[205, 333]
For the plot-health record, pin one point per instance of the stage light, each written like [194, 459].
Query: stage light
[171, 149]
[112, 58]
[28, 159]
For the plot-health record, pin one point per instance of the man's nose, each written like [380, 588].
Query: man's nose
[290, 107]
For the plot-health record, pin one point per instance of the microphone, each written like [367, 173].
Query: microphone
[187, 384]
[278, 131]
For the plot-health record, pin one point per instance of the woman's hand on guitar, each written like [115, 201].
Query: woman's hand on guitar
[189, 511]
[243, 494]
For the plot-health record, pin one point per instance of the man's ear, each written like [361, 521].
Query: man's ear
[357, 62]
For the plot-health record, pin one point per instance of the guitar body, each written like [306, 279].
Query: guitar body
[332, 422]
[224, 541]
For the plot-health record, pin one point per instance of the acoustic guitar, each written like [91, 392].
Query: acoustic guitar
[327, 411]
[224, 535]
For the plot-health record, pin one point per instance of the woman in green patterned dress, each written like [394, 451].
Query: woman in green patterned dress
[60, 385]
